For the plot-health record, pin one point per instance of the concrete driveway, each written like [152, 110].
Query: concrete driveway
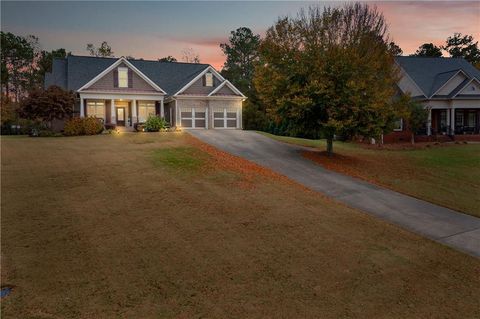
[441, 224]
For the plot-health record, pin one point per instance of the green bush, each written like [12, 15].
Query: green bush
[155, 124]
[83, 126]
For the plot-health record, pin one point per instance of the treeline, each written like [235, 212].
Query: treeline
[327, 73]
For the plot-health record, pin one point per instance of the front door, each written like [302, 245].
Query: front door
[120, 116]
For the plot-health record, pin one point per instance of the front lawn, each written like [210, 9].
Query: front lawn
[445, 174]
[162, 225]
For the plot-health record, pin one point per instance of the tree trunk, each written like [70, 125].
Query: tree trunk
[330, 146]
[413, 139]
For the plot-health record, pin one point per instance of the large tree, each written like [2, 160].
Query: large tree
[328, 72]
[428, 50]
[104, 50]
[45, 60]
[17, 56]
[241, 53]
[459, 46]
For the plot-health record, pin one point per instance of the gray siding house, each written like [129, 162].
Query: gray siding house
[123, 92]
[448, 87]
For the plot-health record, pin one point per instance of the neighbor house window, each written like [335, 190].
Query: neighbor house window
[96, 109]
[208, 79]
[398, 126]
[459, 118]
[471, 119]
[123, 77]
[145, 109]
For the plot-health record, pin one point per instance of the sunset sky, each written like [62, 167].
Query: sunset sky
[151, 30]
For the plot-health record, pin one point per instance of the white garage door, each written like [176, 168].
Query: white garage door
[225, 118]
[193, 117]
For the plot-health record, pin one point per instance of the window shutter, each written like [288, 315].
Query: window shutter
[115, 78]
[157, 108]
[130, 78]
[204, 77]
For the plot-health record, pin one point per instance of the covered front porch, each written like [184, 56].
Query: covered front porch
[454, 121]
[121, 110]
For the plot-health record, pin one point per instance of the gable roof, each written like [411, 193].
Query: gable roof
[430, 74]
[73, 72]
[122, 61]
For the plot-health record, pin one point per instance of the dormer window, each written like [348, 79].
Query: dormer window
[208, 79]
[123, 77]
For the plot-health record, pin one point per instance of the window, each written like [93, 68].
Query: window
[208, 79]
[471, 119]
[145, 109]
[123, 77]
[96, 108]
[458, 118]
[398, 125]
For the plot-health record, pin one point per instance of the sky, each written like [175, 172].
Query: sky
[152, 30]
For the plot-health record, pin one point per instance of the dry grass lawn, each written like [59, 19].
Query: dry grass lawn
[161, 225]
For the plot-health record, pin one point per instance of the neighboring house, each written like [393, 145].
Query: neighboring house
[126, 91]
[449, 88]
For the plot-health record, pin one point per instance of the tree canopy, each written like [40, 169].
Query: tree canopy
[47, 105]
[328, 72]
[104, 50]
[459, 46]
[190, 56]
[428, 50]
[168, 59]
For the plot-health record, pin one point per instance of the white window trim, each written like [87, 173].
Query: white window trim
[401, 126]
[209, 78]
[123, 70]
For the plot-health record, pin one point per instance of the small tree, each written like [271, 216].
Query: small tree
[47, 105]
[190, 56]
[413, 113]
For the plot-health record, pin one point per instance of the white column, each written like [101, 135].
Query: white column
[162, 111]
[82, 107]
[113, 115]
[429, 122]
[452, 122]
[177, 115]
[134, 112]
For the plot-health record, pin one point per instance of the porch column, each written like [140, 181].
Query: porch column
[113, 114]
[452, 121]
[429, 122]
[134, 112]
[82, 107]
[162, 111]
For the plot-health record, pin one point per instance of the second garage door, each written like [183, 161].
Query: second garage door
[225, 118]
[193, 117]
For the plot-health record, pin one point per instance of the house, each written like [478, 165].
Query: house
[123, 92]
[449, 88]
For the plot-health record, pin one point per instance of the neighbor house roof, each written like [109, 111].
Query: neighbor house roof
[73, 72]
[430, 74]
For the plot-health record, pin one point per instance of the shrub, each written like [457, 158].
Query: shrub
[155, 124]
[92, 125]
[83, 126]
[47, 105]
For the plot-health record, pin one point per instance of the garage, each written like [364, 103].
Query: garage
[225, 118]
[193, 117]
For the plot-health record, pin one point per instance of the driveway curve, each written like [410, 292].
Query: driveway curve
[441, 224]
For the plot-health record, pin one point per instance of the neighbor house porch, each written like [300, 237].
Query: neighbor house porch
[121, 110]
[454, 121]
